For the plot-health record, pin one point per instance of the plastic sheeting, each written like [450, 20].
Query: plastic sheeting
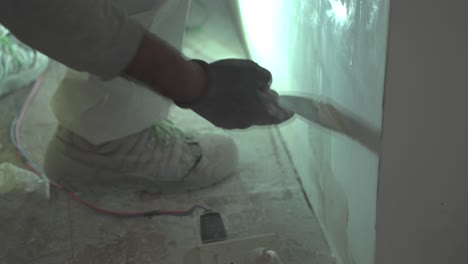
[335, 51]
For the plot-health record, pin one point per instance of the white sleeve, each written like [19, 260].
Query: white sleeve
[95, 36]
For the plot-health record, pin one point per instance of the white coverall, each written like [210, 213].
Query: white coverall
[96, 36]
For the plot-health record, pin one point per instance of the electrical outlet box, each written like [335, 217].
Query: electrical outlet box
[236, 251]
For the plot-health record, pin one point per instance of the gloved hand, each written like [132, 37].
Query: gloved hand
[238, 96]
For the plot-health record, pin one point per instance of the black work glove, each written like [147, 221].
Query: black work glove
[238, 96]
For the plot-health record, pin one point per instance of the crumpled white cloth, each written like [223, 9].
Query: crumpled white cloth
[15, 179]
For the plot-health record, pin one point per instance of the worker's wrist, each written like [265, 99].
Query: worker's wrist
[197, 84]
[166, 71]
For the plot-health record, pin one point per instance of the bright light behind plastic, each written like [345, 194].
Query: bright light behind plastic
[338, 12]
[271, 32]
[266, 27]
[258, 20]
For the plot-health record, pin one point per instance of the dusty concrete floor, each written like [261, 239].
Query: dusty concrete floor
[264, 198]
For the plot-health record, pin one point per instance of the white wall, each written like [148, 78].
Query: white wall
[330, 49]
[423, 182]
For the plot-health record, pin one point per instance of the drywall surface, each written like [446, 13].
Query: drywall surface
[331, 50]
[422, 214]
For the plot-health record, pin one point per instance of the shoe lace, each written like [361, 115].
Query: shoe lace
[9, 47]
[166, 133]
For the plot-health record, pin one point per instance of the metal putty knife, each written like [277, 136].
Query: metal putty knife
[333, 118]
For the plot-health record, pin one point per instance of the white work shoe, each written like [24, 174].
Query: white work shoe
[161, 158]
[19, 64]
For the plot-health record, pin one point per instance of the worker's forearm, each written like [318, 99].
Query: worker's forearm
[163, 69]
[97, 36]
